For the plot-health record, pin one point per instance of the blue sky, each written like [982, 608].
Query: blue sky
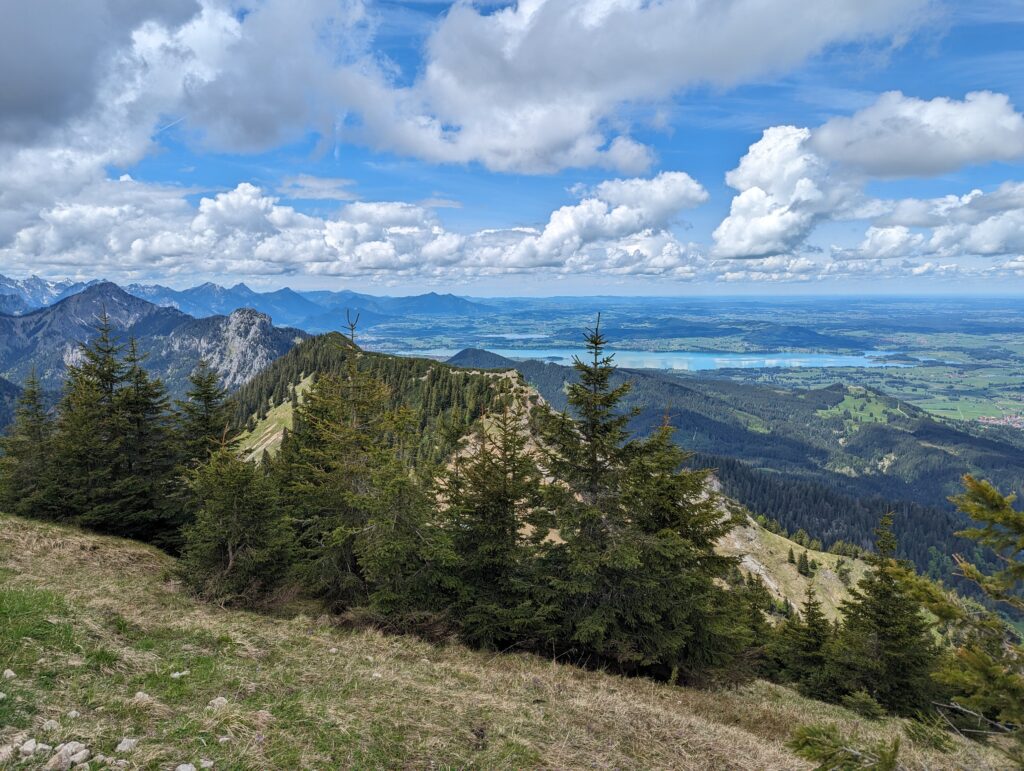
[604, 146]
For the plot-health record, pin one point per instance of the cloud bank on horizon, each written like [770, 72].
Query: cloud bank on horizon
[623, 120]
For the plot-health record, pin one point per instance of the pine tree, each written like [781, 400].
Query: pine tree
[89, 444]
[239, 548]
[203, 416]
[363, 518]
[145, 481]
[802, 566]
[791, 558]
[27, 479]
[885, 646]
[988, 669]
[804, 640]
[635, 572]
[494, 512]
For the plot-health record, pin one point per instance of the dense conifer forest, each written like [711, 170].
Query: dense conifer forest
[421, 499]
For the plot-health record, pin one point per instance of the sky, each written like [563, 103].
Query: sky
[545, 147]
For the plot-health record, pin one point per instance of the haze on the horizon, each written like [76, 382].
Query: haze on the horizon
[533, 148]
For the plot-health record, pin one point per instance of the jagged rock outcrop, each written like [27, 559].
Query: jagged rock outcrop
[238, 345]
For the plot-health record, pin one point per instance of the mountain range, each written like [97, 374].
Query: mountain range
[21, 295]
[237, 345]
[313, 311]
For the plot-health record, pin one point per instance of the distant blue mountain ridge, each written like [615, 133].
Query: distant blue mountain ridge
[314, 311]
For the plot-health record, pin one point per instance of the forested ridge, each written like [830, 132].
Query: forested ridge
[554, 532]
[806, 461]
[444, 400]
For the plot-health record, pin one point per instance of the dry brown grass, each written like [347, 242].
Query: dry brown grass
[377, 702]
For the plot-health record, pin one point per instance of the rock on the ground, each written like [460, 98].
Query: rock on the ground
[74, 713]
[51, 725]
[68, 755]
[28, 748]
[218, 703]
[126, 745]
[185, 767]
[2, 695]
[6, 753]
[204, 763]
[9, 674]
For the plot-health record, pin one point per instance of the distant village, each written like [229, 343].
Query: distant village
[1014, 421]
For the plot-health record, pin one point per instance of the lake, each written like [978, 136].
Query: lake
[687, 360]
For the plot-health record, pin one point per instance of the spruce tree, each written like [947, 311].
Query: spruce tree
[802, 565]
[804, 641]
[239, 548]
[27, 476]
[362, 516]
[987, 672]
[89, 445]
[146, 471]
[635, 571]
[203, 416]
[885, 646]
[494, 511]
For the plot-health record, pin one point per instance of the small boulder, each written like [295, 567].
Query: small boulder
[204, 763]
[42, 749]
[126, 745]
[59, 762]
[51, 725]
[9, 674]
[68, 755]
[218, 703]
[2, 695]
[74, 713]
[28, 748]
[185, 767]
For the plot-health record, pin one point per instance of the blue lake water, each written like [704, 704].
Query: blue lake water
[688, 360]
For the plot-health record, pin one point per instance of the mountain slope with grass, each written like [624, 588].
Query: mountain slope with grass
[828, 460]
[105, 646]
[453, 399]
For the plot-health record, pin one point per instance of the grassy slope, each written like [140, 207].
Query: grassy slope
[269, 432]
[765, 554]
[87, 621]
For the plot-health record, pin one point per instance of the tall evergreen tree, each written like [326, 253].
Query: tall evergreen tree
[635, 571]
[146, 471]
[987, 672]
[90, 432]
[886, 646]
[27, 478]
[203, 416]
[361, 515]
[239, 548]
[804, 641]
[494, 511]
